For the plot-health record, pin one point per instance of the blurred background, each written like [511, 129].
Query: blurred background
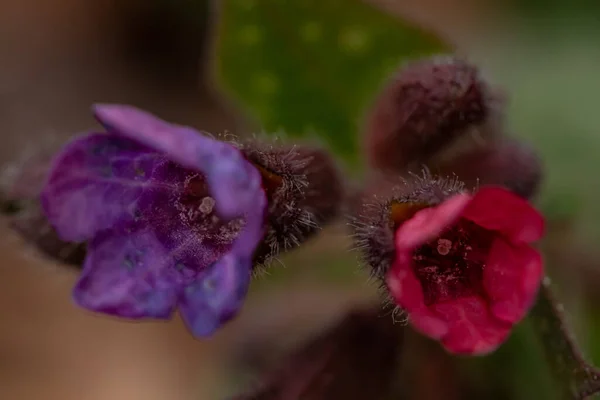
[306, 69]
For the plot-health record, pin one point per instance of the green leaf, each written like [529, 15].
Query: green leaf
[574, 377]
[309, 68]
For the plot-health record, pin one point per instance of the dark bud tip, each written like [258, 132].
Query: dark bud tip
[31, 224]
[507, 162]
[356, 359]
[427, 106]
[384, 205]
[305, 192]
[20, 187]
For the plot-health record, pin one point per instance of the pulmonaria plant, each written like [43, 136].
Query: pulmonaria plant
[174, 218]
[165, 217]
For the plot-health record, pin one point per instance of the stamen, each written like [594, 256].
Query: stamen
[207, 204]
[444, 246]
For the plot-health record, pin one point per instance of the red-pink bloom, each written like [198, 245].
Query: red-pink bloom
[464, 270]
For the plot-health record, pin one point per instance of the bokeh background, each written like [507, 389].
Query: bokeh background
[304, 69]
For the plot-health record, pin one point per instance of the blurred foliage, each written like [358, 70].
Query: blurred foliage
[309, 68]
[556, 9]
[554, 89]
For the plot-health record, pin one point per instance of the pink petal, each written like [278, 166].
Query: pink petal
[403, 283]
[511, 278]
[498, 209]
[408, 294]
[429, 324]
[429, 222]
[472, 330]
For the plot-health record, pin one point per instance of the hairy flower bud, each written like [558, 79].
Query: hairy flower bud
[305, 192]
[427, 107]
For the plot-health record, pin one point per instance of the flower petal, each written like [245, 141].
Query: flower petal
[232, 179]
[429, 222]
[498, 209]
[472, 329]
[407, 292]
[96, 181]
[511, 279]
[215, 297]
[122, 276]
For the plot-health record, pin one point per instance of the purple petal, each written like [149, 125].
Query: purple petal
[214, 298]
[123, 276]
[232, 179]
[96, 182]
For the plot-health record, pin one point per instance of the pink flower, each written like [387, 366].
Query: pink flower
[464, 270]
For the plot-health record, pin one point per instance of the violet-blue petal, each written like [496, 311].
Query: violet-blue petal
[124, 189]
[123, 275]
[94, 183]
[232, 179]
[215, 297]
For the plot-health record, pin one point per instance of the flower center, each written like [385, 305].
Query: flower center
[197, 210]
[451, 265]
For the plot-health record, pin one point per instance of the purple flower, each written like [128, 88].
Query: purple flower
[172, 219]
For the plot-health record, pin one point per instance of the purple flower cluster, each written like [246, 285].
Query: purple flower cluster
[171, 218]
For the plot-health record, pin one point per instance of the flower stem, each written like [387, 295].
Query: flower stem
[575, 378]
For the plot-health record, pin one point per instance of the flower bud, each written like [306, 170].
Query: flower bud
[425, 108]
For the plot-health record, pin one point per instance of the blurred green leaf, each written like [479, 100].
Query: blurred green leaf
[309, 68]
[551, 79]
